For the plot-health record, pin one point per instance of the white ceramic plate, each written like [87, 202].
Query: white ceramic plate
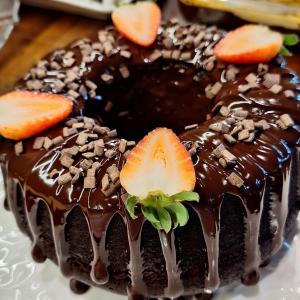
[23, 279]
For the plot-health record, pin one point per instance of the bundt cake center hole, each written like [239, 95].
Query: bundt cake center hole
[163, 94]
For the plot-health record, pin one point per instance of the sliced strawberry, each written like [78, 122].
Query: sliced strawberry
[138, 22]
[24, 114]
[159, 163]
[249, 44]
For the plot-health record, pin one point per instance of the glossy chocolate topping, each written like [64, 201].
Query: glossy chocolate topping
[171, 84]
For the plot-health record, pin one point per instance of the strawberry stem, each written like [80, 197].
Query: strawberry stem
[162, 211]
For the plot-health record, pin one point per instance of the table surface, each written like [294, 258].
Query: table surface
[40, 31]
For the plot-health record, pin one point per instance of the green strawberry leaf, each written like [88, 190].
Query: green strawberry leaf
[173, 217]
[162, 211]
[165, 219]
[150, 214]
[186, 196]
[130, 204]
[290, 39]
[181, 213]
[285, 52]
[157, 226]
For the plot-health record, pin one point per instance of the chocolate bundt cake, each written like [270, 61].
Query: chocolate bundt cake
[238, 122]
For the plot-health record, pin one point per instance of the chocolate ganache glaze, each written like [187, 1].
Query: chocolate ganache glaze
[249, 194]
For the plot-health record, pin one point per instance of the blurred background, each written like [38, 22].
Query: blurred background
[39, 26]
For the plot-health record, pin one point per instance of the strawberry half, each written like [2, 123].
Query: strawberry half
[249, 44]
[158, 164]
[24, 114]
[138, 22]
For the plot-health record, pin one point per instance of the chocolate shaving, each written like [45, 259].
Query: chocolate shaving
[19, 148]
[236, 129]
[219, 127]
[47, 143]
[57, 140]
[105, 182]
[218, 151]
[251, 78]
[74, 170]
[91, 172]
[287, 120]
[167, 54]
[241, 114]
[82, 139]
[289, 94]
[124, 71]
[155, 55]
[112, 133]
[78, 125]
[251, 137]
[122, 145]
[186, 56]
[69, 131]
[190, 126]
[224, 111]
[101, 130]
[63, 179]
[66, 161]
[112, 188]
[93, 136]
[262, 69]
[271, 79]
[230, 121]
[110, 153]
[276, 89]
[113, 173]
[248, 124]
[91, 85]
[38, 143]
[85, 164]
[228, 156]
[89, 182]
[243, 135]
[125, 53]
[75, 178]
[263, 125]
[108, 79]
[96, 166]
[223, 162]
[235, 180]
[131, 143]
[89, 155]
[229, 138]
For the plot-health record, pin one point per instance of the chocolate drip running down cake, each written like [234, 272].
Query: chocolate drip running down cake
[239, 123]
